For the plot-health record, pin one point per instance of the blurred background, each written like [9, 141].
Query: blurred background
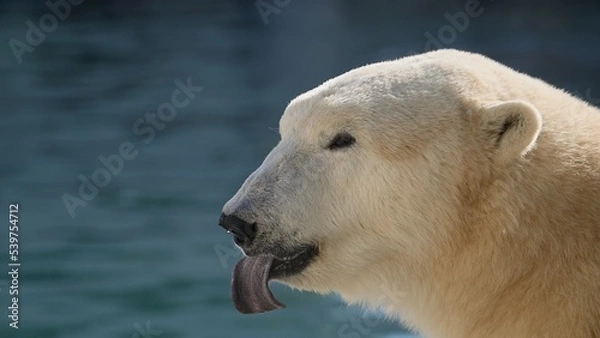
[131, 248]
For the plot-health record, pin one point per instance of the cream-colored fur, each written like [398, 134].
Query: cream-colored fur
[469, 205]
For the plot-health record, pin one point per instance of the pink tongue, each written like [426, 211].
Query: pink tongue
[250, 285]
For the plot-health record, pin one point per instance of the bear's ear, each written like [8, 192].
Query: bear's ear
[509, 129]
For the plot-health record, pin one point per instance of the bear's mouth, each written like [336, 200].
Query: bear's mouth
[250, 282]
[292, 264]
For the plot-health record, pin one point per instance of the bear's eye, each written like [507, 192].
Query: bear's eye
[341, 140]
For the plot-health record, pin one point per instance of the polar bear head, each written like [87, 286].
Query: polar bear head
[374, 173]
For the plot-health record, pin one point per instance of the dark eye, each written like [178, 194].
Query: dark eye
[341, 140]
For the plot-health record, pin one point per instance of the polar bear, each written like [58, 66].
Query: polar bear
[455, 194]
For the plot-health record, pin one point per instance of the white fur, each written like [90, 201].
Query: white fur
[468, 207]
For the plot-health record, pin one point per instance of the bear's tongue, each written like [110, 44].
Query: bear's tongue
[250, 285]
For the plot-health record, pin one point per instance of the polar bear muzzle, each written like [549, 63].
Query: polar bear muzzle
[251, 275]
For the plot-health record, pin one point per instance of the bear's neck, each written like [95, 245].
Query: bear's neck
[513, 257]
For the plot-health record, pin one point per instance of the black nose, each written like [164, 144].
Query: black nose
[243, 232]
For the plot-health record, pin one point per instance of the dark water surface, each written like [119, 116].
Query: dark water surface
[147, 249]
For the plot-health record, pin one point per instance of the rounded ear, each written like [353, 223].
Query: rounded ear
[509, 129]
